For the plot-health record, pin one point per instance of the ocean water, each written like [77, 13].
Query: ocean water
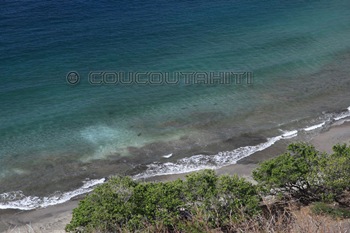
[58, 139]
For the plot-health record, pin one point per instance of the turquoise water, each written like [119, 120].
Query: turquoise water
[53, 135]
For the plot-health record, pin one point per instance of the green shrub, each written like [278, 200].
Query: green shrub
[221, 200]
[336, 212]
[306, 174]
[106, 207]
[337, 170]
[159, 202]
[202, 200]
[201, 186]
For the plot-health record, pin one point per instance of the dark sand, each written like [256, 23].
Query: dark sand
[54, 218]
[336, 134]
[51, 219]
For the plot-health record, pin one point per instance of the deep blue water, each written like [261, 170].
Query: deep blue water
[297, 50]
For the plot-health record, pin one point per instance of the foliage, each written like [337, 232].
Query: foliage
[221, 200]
[107, 206]
[336, 212]
[202, 200]
[306, 174]
[337, 170]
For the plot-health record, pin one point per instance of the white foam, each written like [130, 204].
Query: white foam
[314, 127]
[342, 116]
[167, 156]
[289, 134]
[17, 200]
[199, 162]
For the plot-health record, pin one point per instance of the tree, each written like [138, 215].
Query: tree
[306, 174]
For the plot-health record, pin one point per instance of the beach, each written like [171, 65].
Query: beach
[156, 90]
[54, 218]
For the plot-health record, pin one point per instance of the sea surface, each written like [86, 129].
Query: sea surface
[59, 139]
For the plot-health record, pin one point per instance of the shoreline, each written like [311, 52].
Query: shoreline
[54, 218]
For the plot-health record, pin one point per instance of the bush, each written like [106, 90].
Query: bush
[106, 207]
[306, 174]
[337, 170]
[158, 202]
[202, 200]
[222, 200]
[336, 212]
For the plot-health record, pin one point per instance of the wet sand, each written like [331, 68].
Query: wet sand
[54, 218]
[336, 134]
